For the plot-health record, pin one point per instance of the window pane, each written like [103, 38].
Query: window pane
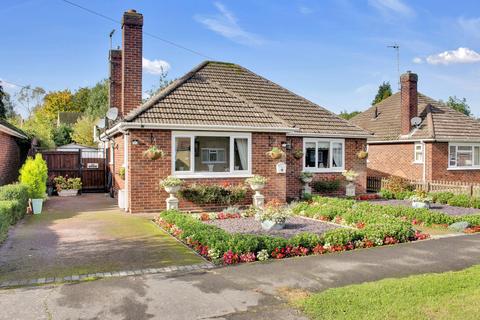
[337, 154]
[453, 156]
[240, 152]
[211, 154]
[310, 155]
[182, 154]
[476, 156]
[323, 159]
[464, 159]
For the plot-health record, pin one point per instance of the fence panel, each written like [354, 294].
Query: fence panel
[456, 187]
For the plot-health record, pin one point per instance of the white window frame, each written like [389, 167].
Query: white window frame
[212, 150]
[456, 167]
[192, 174]
[420, 151]
[330, 155]
[111, 146]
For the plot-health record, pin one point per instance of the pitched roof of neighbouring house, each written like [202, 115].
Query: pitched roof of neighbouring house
[10, 129]
[439, 121]
[68, 117]
[218, 93]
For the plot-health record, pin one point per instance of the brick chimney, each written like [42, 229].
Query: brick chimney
[409, 100]
[116, 79]
[132, 24]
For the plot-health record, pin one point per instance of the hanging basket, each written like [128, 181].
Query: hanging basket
[153, 153]
[298, 154]
[275, 153]
[362, 155]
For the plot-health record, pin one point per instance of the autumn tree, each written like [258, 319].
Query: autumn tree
[58, 101]
[83, 131]
[384, 91]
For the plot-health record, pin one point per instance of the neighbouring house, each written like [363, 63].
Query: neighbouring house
[216, 124]
[419, 138]
[68, 118]
[14, 146]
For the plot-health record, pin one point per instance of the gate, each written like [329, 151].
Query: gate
[87, 164]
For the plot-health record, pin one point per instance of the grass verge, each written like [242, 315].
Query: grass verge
[450, 295]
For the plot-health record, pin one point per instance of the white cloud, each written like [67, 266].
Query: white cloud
[7, 85]
[226, 24]
[156, 67]
[366, 89]
[460, 55]
[305, 10]
[392, 6]
[470, 26]
[417, 60]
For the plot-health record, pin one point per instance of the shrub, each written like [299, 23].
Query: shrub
[326, 185]
[397, 184]
[387, 194]
[475, 202]
[34, 174]
[273, 211]
[459, 200]
[171, 181]
[65, 183]
[341, 237]
[7, 216]
[441, 197]
[18, 193]
[403, 195]
[214, 194]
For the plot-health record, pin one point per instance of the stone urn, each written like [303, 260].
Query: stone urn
[172, 201]
[172, 190]
[269, 225]
[421, 204]
[258, 198]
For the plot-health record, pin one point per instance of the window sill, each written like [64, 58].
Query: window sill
[463, 168]
[417, 162]
[338, 170]
[207, 175]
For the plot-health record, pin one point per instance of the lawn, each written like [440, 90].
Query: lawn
[87, 235]
[450, 295]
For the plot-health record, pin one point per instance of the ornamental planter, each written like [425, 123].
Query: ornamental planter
[298, 154]
[152, 154]
[172, 201]
[258, 198]
[68, 193]
[307, 180]
[362, 155]
[421, 204]
[172, 190]
[37, 205]
[269, 225]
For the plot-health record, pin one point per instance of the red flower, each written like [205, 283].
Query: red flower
[319, 249]
[360, 225]
[204, 217]
[247, 257]
[230, 258]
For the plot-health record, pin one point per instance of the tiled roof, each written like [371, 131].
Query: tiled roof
[439, 121]
[12, 130]
[217, 93]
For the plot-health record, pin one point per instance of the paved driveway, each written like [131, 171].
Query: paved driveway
[86, 234]
[247, 291]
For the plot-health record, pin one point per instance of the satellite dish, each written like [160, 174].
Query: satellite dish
[101, 123]
[112, 114]
[416, 121]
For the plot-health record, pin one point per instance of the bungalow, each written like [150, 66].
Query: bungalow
[216, 124]
[419, 138]
[14, 144]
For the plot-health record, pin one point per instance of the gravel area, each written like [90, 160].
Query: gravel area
[454, 211]
[293, 226]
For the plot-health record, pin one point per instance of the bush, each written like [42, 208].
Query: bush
[387, 194]
[7, 216]
[406, 194]
[397, 184]
[460, 200]
[326, 185]
[34, 174]
[341, 237]
[62, 183]
[19, 194]
[441, 197]
[214, 194]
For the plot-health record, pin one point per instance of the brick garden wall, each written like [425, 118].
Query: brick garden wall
[146, 194]
[394, 160]
[11, 158]
[352, 162]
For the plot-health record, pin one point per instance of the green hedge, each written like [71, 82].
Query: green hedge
[13, 205]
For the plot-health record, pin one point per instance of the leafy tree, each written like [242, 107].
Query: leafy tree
[83, 131]
[384, 91]
[348, 115]
[40, 127]
[3, 110]
[80, 98]
[97, 103]
[58, 101]
[460, 105]
[30, 98]
[163, 82]
[62, 135]
[7, 109]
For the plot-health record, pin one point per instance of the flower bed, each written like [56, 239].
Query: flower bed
[358, 214]
[223, 247]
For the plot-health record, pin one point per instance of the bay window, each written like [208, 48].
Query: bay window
[210, 154]
[323, 155]
[464, 156]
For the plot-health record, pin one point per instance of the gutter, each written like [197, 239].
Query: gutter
[327, 135]
[123, 126]
[11, 132]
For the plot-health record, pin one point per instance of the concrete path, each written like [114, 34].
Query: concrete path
[248, 291]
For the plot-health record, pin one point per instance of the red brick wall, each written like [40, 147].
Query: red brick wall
[352, 162]
[116, 79]
[114, 167]
[394, 159]
[10, 158]
[437, 169]
[146, 174]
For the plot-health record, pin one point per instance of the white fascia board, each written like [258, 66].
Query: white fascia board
[401, 141]
[128, 126]
[12, 132]
[320, 135]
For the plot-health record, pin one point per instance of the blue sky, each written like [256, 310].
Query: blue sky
[331, 52]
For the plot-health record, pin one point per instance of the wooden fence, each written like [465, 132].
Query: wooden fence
[456, 187]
